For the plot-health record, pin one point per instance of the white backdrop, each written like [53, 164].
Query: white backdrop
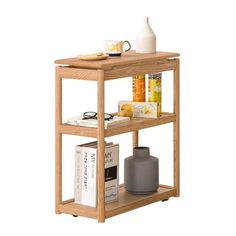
[35, 33]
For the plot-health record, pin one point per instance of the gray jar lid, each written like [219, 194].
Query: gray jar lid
[141, 151]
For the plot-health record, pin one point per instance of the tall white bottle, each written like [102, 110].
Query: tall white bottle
[146, 39]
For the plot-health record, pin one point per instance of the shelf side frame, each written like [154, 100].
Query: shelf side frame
[100, 147]
[58, 141]
[176, 135]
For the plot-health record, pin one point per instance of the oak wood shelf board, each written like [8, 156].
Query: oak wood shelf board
[126, 202]
[132, 125]
[127, 58]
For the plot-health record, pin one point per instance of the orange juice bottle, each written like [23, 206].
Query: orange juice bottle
[138, 85]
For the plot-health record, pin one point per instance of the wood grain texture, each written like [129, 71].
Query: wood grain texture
[101, 148]
[137, 68]
[78, 130]
[69, 207]
[140, 123]
[76, 73]
[176, 130]
[135, 138]
[127, 201]
[58, 143]
[127, 58]
[134, 124]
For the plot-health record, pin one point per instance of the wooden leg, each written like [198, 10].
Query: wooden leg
[58, 173]
[101, 147]
[135, 138]
[58, 144]
[176, 131]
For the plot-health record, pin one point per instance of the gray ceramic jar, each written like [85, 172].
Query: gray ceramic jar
[141, 172]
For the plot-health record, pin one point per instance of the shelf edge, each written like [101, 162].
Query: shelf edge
[120, 129]
[169, 192]
[69, 207]
[78, 130]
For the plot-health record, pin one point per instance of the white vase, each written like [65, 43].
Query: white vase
[146, 39]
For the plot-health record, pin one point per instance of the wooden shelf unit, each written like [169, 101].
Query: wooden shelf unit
[129, 64]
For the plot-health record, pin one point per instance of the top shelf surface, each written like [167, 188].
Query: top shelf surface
[126, 58]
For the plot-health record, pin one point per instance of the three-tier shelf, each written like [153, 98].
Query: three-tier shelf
[129, 64]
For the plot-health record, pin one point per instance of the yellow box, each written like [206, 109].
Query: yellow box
[139, 109]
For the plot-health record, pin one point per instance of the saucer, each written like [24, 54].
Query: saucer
[116, 54]
[93, 57]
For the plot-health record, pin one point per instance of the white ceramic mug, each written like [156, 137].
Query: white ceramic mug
[115, 48]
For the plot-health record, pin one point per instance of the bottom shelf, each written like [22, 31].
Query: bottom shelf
[126, 202]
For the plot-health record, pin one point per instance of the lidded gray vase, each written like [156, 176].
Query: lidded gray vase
[141, 172]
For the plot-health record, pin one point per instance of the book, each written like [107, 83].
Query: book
[86, 173]
[80, 170]
[78, 120]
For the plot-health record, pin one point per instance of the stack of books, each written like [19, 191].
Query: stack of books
[86, 173]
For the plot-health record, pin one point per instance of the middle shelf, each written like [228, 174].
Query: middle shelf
[133, 125]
